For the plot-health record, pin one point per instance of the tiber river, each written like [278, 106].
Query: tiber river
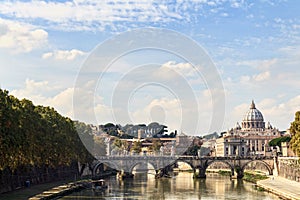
[181, 186]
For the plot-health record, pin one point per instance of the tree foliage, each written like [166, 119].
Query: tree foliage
[99, 147]
[36, 137]
[155, 147]
[295, 132]
[277, 141]
[136, 147]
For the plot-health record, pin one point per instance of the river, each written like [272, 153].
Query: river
[181, 186]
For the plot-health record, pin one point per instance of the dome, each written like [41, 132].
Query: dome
[253, 119]
[253, 114]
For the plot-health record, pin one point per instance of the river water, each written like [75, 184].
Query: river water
[181, 186]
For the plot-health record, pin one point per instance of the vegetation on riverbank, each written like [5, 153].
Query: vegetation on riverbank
[37, 144]
[248, 176]
[254, 177]
[224, 173]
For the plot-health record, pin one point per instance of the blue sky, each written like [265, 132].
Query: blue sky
[255, 46]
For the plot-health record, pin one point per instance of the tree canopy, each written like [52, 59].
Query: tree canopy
[295, 132]
[36, 136]
[277, 141]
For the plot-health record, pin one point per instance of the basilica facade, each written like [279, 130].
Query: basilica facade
[249, 138]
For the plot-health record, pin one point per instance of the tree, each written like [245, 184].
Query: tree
[125, 145]
[195, 147]
[117, 143]
[295, 132]
[120, 145]
[136, 147]
[99, 146]
[155, 147]
[279, 140]
[35, 140]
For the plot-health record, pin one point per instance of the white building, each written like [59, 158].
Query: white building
[249, 139]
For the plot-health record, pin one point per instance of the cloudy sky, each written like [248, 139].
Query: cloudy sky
[47, 47]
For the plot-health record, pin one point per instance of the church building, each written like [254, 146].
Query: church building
[251, 138]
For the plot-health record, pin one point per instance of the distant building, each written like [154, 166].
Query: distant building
[183, 141]
[249, 139]
[210, 145]
[145, 131]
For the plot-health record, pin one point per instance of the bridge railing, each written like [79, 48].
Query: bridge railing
[182, 157]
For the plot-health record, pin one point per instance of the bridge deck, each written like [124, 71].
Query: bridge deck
[119, 157]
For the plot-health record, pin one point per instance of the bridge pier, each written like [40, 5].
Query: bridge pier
[200, 174]
[124, 175]
[162, 173]
[239, 172]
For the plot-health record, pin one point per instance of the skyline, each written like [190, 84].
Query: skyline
[255, 47]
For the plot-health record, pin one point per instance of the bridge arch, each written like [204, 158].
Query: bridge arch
[186, 161]
[269, 168]
[108, 163]
[231, 167]
[142, 162]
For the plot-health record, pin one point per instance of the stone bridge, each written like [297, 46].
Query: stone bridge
[163, 164]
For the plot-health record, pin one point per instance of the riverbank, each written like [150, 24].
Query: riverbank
[60, 191]
[250, 176]
[26, 193]
[282, 187]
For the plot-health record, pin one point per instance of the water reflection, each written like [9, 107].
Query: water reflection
[181, 186]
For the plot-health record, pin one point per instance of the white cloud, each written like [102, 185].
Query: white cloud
[33, 89]
[40, 93]
[281, 113]
[264, 64]
[245, 79]
[21, 37]
[262, 76]
[291, 51]
[43, 93]
[64, 54]
[184, 69]
[99, 15]
[83, 15]
[169, 113]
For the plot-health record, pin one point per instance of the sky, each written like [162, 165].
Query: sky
[193, 65]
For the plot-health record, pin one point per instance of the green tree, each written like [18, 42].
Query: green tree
[194, 147]
[155, 147]
[99, 146]
[136, 147]
[117, 143]
[295, 132]
[279, 140]
[35, 140]
[120, 145]
[125, 145]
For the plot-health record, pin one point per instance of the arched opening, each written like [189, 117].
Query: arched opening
[220, 167]
[258, 166]
[182, 169]
[183, 166]
[142, 168]
[102, 168]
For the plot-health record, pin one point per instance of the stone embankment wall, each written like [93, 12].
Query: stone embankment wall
[289, 168]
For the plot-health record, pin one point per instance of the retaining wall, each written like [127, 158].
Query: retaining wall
[289, 168]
